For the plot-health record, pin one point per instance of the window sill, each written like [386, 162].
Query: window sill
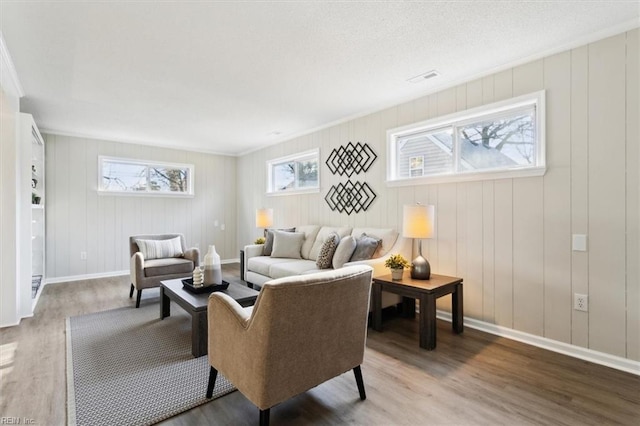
[143, 194]
[293, 192]
[469, 177]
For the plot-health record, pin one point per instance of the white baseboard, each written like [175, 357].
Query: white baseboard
[590, 355]
[86, 277]
[106, 274]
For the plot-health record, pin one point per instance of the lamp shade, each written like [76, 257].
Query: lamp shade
[417, 221]
[264, 218]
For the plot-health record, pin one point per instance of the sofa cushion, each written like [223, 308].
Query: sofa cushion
[366, 246]
[287, 244]
[159, 249]
[327, 250]
[388, 236]
[167, 266]
[292, 267]
[262, 264]
[310, 233]
[344, 251]
[322, 236]
[268, 239]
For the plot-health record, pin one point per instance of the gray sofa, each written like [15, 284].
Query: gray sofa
[258, 268]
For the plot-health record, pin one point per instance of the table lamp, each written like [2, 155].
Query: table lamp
[264, 218]
[417, 222]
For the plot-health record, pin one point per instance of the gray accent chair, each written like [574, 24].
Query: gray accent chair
[147, 273]
[302, 331]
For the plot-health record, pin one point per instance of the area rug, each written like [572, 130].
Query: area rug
[127, 367]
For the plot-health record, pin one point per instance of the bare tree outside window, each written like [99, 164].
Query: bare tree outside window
[504, 139]
[120, 175]
[488, 144]
[174, 180]
[298, 172]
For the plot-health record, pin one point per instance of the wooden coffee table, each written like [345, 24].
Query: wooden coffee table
[426, 291]
[196, 305]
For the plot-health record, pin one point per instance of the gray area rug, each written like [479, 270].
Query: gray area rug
[128, 367]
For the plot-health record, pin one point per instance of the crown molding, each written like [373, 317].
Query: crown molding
[8, 68]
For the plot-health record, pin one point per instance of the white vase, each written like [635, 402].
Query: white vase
[212, 268]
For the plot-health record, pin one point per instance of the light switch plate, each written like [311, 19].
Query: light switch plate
[579, 242]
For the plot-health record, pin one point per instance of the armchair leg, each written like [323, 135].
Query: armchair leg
[138, 298]
[264, 417]
[213, 374]
[131, 291]
[358, 373]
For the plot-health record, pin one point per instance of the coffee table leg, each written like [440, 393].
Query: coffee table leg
[457, 310]
[376, 294]
[427, 321]
[165, 304]
[199, 333]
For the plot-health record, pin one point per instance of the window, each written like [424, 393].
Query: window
[504, 139]
[124, 176]
[296, 173]
[416, 166]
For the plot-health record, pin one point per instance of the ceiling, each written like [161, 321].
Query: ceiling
[231, 77]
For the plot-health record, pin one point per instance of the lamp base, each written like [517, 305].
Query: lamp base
[420, 268]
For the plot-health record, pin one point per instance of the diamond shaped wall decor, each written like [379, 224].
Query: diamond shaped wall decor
[350, 197]
[349, 159]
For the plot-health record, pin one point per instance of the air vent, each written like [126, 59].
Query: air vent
[422, 77]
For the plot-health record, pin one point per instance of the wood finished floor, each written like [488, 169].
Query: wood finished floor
[470, 379]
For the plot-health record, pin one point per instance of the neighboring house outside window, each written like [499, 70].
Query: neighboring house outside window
[505, 139]
[294, 174]
[138, 177]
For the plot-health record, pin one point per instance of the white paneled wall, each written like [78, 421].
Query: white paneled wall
[511, 239]
[81, 220]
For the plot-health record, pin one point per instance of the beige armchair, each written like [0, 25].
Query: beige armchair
[302, 331]
[162, 257]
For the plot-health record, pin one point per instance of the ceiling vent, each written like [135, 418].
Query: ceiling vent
[422, 77]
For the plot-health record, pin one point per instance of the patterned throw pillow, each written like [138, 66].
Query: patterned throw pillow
[365, 247]
[327, 250]
[160, 249]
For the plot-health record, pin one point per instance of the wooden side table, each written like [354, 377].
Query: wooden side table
[426, 291]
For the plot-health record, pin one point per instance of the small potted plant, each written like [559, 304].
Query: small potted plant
[259, 240]
[396, 263]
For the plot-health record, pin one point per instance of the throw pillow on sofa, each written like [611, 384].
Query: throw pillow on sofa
[268, 239]
[287, 244]
[344, 251]
[327, 251]
[365, 247]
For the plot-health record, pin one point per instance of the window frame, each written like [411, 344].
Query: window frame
[147, 192]
[460, 119]
[305, 155]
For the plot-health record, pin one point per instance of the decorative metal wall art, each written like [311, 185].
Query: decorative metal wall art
[350, 159]
[350, 197]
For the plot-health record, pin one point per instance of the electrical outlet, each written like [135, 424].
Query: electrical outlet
[581, 302]
[83, 255]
